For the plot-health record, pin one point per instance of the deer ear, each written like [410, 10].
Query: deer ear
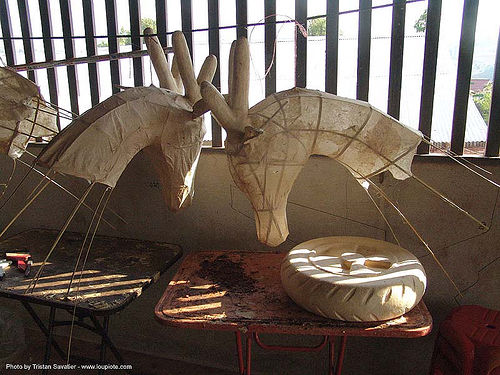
[199, 108]
[251, 132]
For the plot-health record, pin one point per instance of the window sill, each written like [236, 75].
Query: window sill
[419, 158]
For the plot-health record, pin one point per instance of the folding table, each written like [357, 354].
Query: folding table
[241, 292]
[116, 272]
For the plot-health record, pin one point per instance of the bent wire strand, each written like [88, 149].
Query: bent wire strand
[463, 162]
[59, 109]
[71, 194]
[32, 167]
[85, 261]
[18, 131]
[63, 116]
[34, 119]
[45, 176]
[22, 179]
[19, 184]
[66, 190]
[85, 241]
[69, 115]
[42, 126]
[5, 185]
[452, 204]
[61, 232]
[413, 229]
[383, 216]
[426, 185]
[24, 208]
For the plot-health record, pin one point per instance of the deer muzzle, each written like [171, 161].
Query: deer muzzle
[272, 226]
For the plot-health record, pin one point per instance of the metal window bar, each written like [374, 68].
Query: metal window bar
[48, 48]
[135, 40]
[241, 18]
[270, 22]
[332, 45]
[214, 49]
[465, 54]
[187, 23]
[69, 50]
[300, 44]
[429, 71]
[270, 46]
[113, 43]
[90, 43]
[161, 21]
[493, 140]
[135, 32]
[24, 18]
[396, 64]
[7, 32]
[364, 42]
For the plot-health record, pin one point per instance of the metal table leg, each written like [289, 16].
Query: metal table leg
[102, 356]
[107, 341]
[101, 330]
[44, 329]
[340, 361]
[48, 345]
[241, 365]
[331, 354]
[249, 352]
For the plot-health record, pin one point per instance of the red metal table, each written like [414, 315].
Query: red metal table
[241, 292]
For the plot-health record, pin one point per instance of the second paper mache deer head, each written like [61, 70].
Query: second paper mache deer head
[166, 122]
[268, 144]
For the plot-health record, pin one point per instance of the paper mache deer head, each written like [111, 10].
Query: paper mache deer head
[163, 121]
[268, 144]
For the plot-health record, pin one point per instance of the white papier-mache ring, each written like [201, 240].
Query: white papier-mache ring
[353, 278]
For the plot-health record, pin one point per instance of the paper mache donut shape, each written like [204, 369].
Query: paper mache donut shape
[354, 279]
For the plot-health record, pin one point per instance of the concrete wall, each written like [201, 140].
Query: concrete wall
[325, 201]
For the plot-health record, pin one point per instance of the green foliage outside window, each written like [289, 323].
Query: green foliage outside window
[126, 41]
[483, 101]
[317, 27]
[421, 24]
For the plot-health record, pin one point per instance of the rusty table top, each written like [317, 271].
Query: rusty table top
[116, 272]
[237, 290]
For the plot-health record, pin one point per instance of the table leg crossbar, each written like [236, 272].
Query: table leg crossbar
[254, 336]
[282, 348]
[96, 327]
